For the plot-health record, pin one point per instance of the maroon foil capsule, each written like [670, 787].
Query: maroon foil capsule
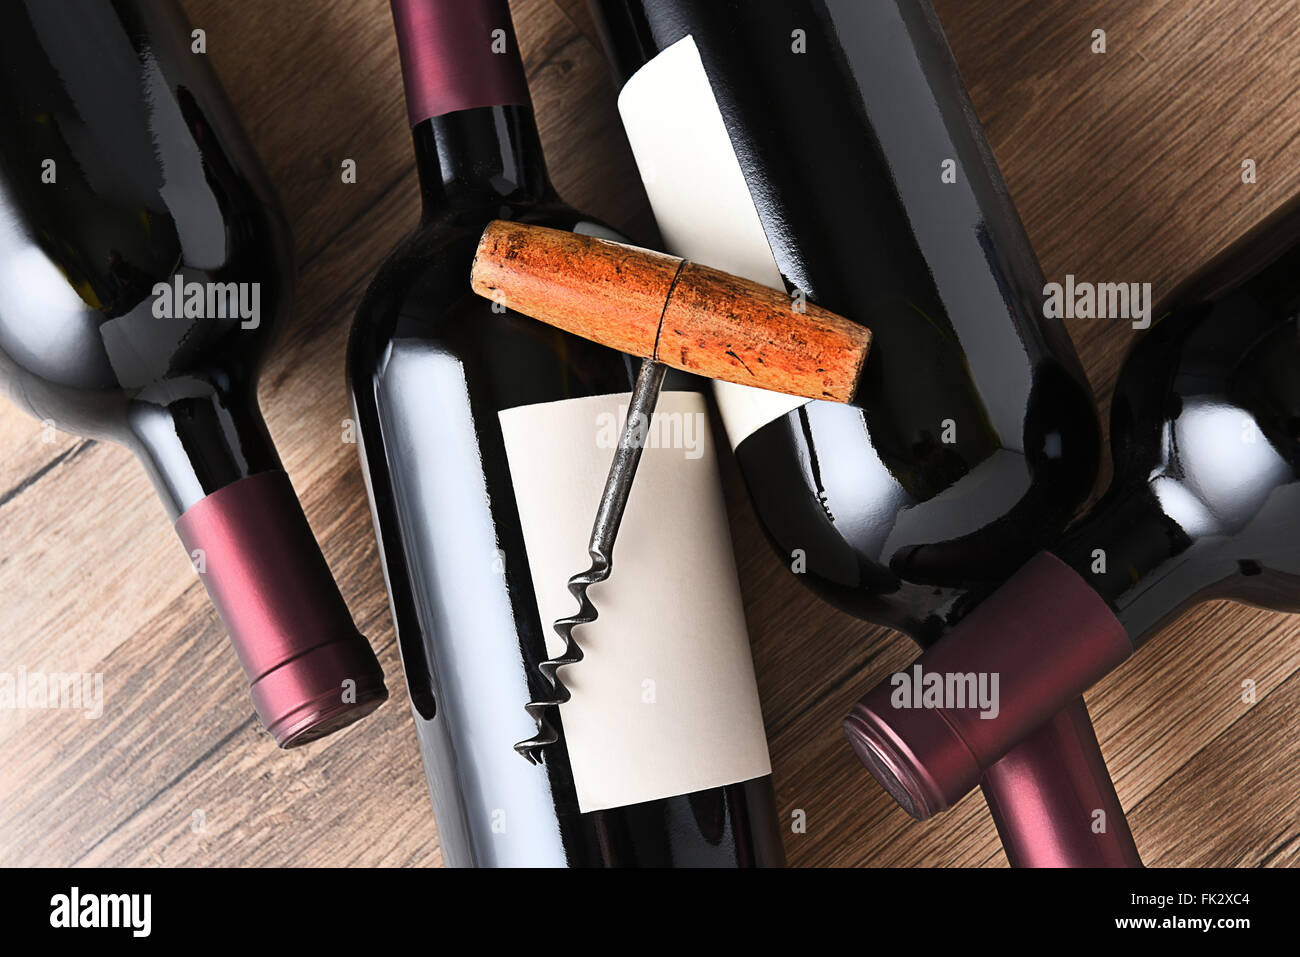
[1042, 652]
[310, 671]
[1053, 802]
[444, 73]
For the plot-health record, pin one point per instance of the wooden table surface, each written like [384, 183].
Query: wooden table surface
[1124, 165]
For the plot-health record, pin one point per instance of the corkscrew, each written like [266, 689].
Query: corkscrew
[609, 515]
[669, 312]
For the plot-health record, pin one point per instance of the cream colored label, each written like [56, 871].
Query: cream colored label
[700, 198]
[665, 701]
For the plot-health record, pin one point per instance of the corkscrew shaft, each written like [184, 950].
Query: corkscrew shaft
[609, 515]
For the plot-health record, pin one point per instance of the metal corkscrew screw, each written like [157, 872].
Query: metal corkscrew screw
[670, 312]
[609, 515]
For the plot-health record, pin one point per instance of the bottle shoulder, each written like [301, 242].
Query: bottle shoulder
[439, 249]
[419, 321]
[421, 288]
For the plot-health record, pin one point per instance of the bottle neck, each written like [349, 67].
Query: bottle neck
[467, 101]
[1132, 553]
[200, 443]
[480, 156]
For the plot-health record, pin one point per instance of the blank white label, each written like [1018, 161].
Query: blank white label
[664, 702]
[700, 198]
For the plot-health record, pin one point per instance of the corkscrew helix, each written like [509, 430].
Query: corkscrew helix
[609, 515]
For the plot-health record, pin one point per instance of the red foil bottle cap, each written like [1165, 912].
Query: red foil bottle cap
[310, 670]
[1047, 637]
[457, 55]
[1045, 796]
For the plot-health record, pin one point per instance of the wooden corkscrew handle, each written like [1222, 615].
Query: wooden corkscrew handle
[680, 313]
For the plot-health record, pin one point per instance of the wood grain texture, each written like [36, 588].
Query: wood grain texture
[1125, 166]
[730, 328]
[599, 290]
[686, 315]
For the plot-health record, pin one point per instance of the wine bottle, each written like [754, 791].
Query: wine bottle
[829, 149]
[485, 439]
[1205, 425]
[145, 269]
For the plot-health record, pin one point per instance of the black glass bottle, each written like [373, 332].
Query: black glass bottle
[145, 271]
[433, 370]
[974, 437]
[1205, 435]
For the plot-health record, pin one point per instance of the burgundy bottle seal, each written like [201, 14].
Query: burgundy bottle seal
[1045, 796]
[457, 55]
[310, 670]
[1045, 634]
